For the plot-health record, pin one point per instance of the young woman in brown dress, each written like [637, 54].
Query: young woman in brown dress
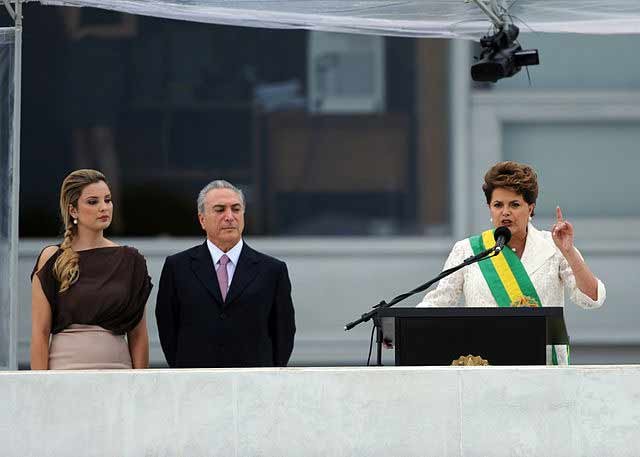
[88, 294]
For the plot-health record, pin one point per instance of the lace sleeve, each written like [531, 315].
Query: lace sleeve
[577, 296]
[449, 289]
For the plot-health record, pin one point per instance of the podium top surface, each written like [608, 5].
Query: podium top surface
[464, 311]
[553, 317]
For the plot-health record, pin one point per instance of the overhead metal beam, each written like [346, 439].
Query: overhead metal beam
[10, 9]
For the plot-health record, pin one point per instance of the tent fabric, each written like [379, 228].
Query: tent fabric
[415, 18]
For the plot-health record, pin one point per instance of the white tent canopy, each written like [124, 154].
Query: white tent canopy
[417, 18]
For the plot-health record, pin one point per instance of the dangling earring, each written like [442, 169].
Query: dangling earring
[75, 221]
[491, 220]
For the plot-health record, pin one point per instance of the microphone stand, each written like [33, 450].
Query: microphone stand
[373, 314]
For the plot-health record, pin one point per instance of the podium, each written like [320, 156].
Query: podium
[502, 336]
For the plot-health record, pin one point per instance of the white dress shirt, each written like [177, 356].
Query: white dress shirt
[233, 254]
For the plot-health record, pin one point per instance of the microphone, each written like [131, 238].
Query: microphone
[502, 235]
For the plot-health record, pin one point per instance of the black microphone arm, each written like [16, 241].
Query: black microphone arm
[486, 254]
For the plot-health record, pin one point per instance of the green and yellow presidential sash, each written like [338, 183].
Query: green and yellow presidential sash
[506, 277]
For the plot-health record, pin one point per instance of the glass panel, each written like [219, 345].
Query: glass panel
[164, 107]
[577, 167]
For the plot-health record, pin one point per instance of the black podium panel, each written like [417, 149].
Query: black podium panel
[501, 341]
[502, 336]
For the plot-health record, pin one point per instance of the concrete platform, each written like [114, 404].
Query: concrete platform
[388, 411]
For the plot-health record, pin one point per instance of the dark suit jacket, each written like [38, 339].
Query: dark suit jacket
[254, 327]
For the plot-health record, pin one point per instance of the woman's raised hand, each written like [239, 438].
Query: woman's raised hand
[562, 233]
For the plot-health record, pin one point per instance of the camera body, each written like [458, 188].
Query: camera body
[502, 56]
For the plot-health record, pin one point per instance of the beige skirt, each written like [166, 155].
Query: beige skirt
[88, 347]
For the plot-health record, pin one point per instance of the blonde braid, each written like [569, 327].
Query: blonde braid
[66, 268]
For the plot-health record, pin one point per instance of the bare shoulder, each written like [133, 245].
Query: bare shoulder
[110, 244]
[45, 255]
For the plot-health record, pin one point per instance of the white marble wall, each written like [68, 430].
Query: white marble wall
[530, 411]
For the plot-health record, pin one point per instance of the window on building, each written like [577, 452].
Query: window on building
[327, 134]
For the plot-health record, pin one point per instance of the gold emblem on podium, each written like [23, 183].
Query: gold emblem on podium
[470, 361]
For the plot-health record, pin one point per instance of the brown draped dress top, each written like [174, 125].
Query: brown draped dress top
[89, 320]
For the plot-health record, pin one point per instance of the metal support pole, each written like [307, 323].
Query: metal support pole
[491, 11]
[15, 191]
[9, 9]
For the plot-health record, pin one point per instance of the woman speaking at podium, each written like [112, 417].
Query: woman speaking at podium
[535, 266]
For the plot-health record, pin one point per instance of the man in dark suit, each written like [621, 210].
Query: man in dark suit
[223, 304]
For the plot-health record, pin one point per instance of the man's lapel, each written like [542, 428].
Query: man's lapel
[205, 271]
[537, 250]
[245, 272]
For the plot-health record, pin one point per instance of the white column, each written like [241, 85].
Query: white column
[460, 61]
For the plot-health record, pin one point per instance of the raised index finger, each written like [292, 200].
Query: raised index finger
[559, 214]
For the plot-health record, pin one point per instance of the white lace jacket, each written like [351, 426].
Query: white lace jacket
[547, 268]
